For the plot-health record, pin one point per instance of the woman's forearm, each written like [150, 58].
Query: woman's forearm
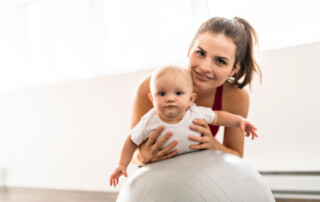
[233, 141]
[221, 147]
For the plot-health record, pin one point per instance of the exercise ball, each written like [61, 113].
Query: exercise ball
[197, 176]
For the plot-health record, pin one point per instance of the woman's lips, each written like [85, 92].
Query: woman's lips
[203, 77]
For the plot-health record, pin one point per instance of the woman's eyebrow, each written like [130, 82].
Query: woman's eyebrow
[222, 58]
[218, 57]
[202, 49]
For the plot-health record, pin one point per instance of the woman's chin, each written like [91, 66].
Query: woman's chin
[204, 86]
[201, 85]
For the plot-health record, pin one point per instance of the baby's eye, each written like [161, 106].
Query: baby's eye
[179, 93]
[162, 93]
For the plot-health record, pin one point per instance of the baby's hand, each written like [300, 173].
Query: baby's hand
[248, 128]
[114, 178]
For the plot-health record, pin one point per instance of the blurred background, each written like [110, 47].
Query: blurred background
[50, 41]
[69, 69]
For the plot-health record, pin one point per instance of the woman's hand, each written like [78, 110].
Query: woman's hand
[206, 141]
[150, 151]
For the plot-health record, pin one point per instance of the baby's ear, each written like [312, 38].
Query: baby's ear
[193, 98]
[150, 97]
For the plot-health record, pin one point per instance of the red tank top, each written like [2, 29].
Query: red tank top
[217, 105]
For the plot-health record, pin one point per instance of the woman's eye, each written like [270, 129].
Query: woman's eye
[162, 93]
[220, 61]
[200, 53]
[179, 93]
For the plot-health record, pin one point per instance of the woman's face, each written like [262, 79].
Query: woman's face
[211, 60]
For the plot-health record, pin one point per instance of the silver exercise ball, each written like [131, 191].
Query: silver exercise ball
[198, 176]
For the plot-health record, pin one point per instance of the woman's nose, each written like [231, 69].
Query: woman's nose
[206, 66]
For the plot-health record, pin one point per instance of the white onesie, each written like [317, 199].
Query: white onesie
[150, 121]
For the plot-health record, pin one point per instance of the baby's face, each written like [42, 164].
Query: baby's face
[172, 95]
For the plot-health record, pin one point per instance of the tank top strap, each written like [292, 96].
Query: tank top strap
[217, 105]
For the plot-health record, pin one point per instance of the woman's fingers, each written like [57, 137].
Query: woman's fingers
[147, 150]
[152, 151]
[168, 155]
[154, 135]
[200, 129]
[197, 138]
[206, 141]
[200, 122]
[166, 152]
[161, 141]
[198, 146]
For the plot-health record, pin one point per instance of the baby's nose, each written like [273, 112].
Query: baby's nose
[170, 98]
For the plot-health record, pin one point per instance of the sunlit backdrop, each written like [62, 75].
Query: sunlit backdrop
[49, 41]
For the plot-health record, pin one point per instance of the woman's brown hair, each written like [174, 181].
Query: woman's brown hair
[244, 37]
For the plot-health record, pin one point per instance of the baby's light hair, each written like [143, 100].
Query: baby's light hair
[172, 70]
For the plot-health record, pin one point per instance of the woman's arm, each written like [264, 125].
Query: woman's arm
[141, 102]
[235, 101]
[149, 151]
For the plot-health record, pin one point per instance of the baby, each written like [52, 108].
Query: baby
[173, 100]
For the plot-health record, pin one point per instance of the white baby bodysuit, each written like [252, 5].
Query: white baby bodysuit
[150, 121]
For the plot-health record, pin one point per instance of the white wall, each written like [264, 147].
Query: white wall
[49, 41]
[286, 110]
[69, 135]
[66, 135]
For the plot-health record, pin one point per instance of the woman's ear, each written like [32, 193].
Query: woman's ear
[235, 69]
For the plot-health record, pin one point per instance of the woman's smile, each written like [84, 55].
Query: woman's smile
[202, 77]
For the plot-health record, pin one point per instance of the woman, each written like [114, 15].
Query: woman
[221, 63]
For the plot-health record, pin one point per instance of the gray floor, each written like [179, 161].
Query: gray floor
[18, 194]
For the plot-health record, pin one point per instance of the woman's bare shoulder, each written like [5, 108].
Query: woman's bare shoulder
[141, 103]
[235, 100]
[144, 87]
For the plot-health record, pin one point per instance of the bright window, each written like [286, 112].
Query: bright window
[50, 41]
